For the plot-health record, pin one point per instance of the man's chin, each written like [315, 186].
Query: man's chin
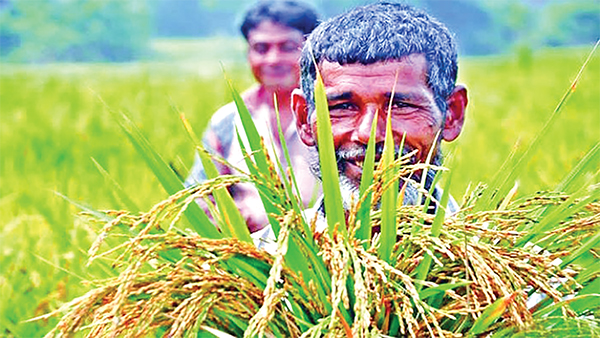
[350, 192]
[276, 82]
[351, 172]
[350, 188]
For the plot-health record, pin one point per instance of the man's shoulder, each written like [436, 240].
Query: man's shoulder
[227, 113]
[223, 115]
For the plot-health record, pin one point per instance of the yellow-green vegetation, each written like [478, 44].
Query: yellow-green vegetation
[55, 120]
[511, 98]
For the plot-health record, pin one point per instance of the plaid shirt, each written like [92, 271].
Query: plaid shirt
[220, 139]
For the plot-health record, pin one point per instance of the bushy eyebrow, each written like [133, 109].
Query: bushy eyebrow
[340, 96]
[397, 96]
[404, 96]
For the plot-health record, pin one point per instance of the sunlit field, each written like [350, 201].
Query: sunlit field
[58, 137]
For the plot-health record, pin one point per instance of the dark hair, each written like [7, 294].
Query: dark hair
[289, 13]
[379, 32]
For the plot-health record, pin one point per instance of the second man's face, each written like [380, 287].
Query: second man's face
[273, 53]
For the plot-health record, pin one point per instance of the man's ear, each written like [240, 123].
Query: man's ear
[455, 116]
[303, 126]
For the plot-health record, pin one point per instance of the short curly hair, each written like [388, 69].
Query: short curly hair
[288, 13]
[380, 32]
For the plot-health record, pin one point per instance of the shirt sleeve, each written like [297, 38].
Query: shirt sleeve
[217, 140]
[197, 174]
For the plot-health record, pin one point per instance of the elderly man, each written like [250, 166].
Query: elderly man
[362, 56]
[275, 32]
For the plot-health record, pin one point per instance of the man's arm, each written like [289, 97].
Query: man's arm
[219, 139]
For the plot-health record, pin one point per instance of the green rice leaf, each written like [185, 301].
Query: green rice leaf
[336, 217]
[590, 162]
[303, 248]
[215, 332]
[590, 272]
[588, 301]
[305, 261]
[329, 169]
[561, 213]
[254, 270]
[250, 131]
[234, 324]
[364, 211]
[294, 187]
[593, 305]
[436, 228]
[98, 214]
[440, 214]
[232, 221]
[117, 191]
[389, 228]
[304, 257]
[427, 202]
[199, 222]
[590, 243]
[264, 193]
[491, 314]
[440, 289]
[260, 163]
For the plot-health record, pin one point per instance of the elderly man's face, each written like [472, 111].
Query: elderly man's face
[357, 94]
[273, 53]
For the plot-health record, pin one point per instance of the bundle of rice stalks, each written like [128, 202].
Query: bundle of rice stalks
[498, 266]
[175, 283]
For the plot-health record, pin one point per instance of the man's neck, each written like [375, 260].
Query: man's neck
[266, 95]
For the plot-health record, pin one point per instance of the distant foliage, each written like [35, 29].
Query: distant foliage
[73, 30]
[490, 27]
[572, 23]
[478, 30]
[115, 30]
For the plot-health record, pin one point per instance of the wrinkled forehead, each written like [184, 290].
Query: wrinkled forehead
[409, 66]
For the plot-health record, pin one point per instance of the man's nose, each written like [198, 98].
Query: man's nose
[273, 55]
[363, 130]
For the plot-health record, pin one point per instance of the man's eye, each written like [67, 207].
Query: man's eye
[342, 110]
[400, 104]
[341, 106]
[261, 48]
[402, 107]
[289, 47]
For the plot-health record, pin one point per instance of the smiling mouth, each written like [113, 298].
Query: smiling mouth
[361, 162]
[277, 71]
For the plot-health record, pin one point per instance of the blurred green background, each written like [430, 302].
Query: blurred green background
[65, 64]
[110, 30]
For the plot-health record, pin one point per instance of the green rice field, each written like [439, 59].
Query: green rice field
[61, 149]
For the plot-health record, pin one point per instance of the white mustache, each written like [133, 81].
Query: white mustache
[357, 151]
[350, 188]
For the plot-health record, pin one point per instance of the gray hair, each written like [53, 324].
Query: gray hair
[380, 32]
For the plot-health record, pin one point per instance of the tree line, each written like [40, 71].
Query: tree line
[119, 31]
